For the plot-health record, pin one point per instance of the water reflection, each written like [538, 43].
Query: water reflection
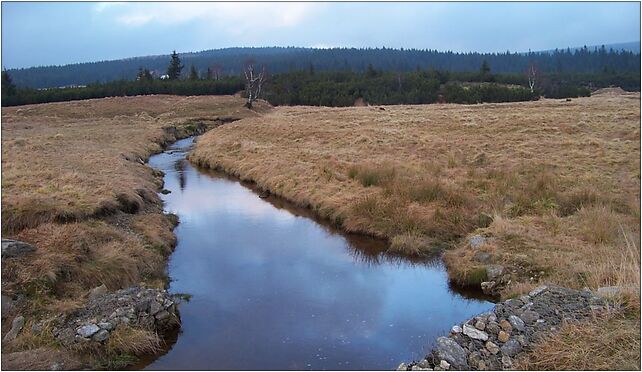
[274, 289]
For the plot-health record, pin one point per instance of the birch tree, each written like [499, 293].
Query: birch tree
[532, 74]
[254, 79]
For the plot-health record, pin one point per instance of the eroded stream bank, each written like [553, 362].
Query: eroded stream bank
[274, 289]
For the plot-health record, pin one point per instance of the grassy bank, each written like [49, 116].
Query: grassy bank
[74, 184]
[552, 186]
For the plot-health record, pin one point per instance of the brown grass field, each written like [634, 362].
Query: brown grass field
[554, 186]
[74, 184]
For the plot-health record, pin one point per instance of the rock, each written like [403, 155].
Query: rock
[606, 291]
[87, 331]
[494, 271]
[424, 363]
[456, 329]
[476, 241]
[444, 365]
[507, 363]
[488, 286]
[97, 292]
[490, 346]
[480, 325]
[493, 328]
[162, 315]
[529, 316]
[537, 290]
[101, 335]
[36, 328]
[474, 333]
[511, 348]
[106, 325]
[449, 350]
[14, 248]
[516, 322]
[7, 306]
[402, 367]
[16, 326]
[155, 307]
[503, 336]
[505, 324]
[482, 257]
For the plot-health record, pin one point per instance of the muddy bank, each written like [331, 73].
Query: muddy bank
[496, 339]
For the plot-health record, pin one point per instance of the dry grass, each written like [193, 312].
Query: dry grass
[604, 344]
[554, 185]
[75, 186]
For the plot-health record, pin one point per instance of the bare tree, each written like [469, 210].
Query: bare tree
[532, 74]
[216, 71]
[254, 80]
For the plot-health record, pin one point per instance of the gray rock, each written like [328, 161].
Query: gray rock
[507, 363]
[482, 257]
[14, 248]
[529, 316]
[476, 241]
[537, 290]
[447, 349]
[494, 271]
[16, 326]
[516, 322]
[87, 331]
[36, 328]
[402, 367]
[424, 363]
[155, 307]
[493, 328]
[97, 292]
[106, 325]
[511, 348]
[101, 335]
[162, 315]
[444, 365]
[8, 306]
[456, 329]
[474, 333]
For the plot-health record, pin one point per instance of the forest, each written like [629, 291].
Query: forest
[373, 85]
[230, 61]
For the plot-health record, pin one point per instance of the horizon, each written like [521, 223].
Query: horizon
[591, 47]
[34, 34]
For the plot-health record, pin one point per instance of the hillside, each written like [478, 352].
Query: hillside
[279, 59]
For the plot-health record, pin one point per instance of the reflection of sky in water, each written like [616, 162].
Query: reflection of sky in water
[272, 290]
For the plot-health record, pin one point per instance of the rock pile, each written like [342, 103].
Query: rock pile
[492, 340]
[138, 307]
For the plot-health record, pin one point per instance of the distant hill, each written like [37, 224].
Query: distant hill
[282, 59]
[633, 46]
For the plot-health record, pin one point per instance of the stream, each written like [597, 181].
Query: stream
[272, 287]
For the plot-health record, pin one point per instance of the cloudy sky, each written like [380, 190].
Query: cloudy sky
[60, 33]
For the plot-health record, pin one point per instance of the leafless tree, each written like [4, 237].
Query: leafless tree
[216, 71]
[255, 77]
[532, 74]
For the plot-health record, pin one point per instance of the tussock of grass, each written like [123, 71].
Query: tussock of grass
[604, 344]
[411, 244]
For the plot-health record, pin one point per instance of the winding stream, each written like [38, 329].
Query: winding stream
[273, 288]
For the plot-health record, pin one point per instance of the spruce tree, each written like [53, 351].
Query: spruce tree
[8, 87]
[175, 67]
[193, 74]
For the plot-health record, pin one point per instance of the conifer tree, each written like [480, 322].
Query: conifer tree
[8, 87]
[175, 67]
[193, 74]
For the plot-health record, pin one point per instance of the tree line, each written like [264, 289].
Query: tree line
[336, 88]
[277, 60]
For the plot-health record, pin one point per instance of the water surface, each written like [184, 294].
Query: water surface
[274, 289]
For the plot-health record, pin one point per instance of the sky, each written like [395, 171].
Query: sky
[52, 33]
